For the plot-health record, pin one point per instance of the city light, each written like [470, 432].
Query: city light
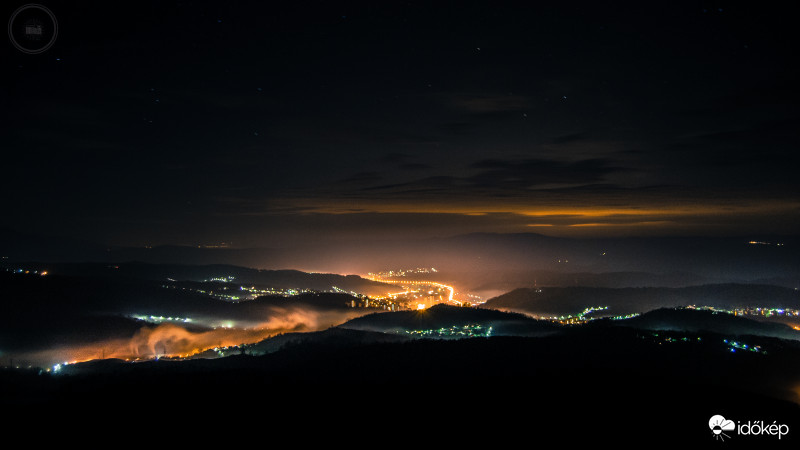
[465, 331]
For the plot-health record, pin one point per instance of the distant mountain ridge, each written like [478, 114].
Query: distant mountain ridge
[715, 259]
[283, 279]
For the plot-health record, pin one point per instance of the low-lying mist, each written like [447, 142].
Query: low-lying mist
[180, 341]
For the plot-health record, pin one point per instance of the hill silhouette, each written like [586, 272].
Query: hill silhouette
[557, 301]
[444, 316]
[281, 279]
[708, 321]
[40, 313]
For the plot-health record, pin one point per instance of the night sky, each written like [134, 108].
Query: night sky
[258, 124]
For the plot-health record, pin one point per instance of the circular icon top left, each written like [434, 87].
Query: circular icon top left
[32, 29]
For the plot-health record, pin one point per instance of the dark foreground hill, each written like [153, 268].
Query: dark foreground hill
[335, 337]
[591, 384]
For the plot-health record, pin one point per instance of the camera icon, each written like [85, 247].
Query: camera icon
[32, 28]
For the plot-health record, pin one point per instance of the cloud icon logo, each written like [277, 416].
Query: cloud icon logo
[719, 425]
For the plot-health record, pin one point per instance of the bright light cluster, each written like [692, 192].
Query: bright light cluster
[735, 345]
[581, 317]
[160, 319]
[473, 330]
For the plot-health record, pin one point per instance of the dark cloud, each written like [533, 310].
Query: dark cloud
[489, 178]
[429, 185]
[459, 128]
[754, 156]
[574, 137]
[362, 178]
[487, 104]
[415, 166]
[394, 157]
[531, 173]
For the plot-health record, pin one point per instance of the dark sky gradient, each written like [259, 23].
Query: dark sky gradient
[262, 124]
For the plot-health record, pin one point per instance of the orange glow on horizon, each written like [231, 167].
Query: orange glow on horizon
[603, 214]
[603, 224]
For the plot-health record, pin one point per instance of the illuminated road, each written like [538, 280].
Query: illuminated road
[407, 283]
